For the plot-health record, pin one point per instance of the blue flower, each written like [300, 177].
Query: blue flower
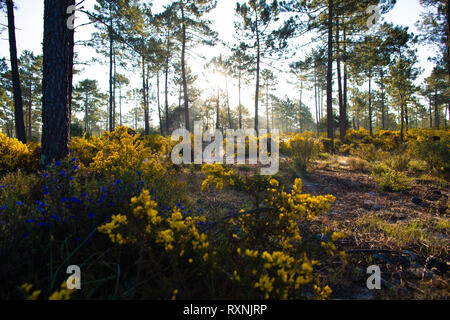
[3, 207]
[75, 167]
[84, 195]
[45, 175]
[64, 200]
[139, 172]
[19, 203]
[71, 178]
[118, 181]
[178, 204]
[57, 163]
[74, 159]
[1, 187]
[63, 173]
[40, 203]
[30, 220]
[189, 210]
[45, 190]
[90, 215]
[75, 200]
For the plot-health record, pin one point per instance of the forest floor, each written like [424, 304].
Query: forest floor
[405, 233]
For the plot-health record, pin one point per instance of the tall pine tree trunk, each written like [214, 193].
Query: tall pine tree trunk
[370, 106]
[57, 80]
[86, 121]
[316, 102]
[436, 109]
[330, 118]
[111, 96]
[30, 109]
[342, 128]
[18, 103]
[159, 103]
[217, 108]
[258, 57]
[240, 106]
[144, 98]
[166, 93]
[343, 116]
[183, 70]
[383, 124]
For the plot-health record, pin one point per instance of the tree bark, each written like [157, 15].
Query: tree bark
[240, 106]
[218, 109]
[17, 91]
[111, 97]
[339, 78]
[86, 121]
[436, 108]
[159, 103]
[144, 97]
[258, 52]
[343, 115]
[370, 106]
[30, 109]
[330, 120]
[57, 80]
[383, 125]
[183, 70]
[167, 91]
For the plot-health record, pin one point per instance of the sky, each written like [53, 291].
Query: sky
[29, 34]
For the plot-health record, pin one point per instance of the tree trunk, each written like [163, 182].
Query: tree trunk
[217, 109]
[436, 108]
[315, 99]
[167, 93]
[339, 78]
[18, 103]
[330, 120]
[300, 106]
[431, 108]
[183, 70]
[159, 103]
[383, 125]
[86, 121]
[240, 106]
[370, 107]
[401, 122]
[144, 97]
[111, 97]
[120, 104]
[267, 106]
[343, 114]
[30, 109]
[57, 80]
[258, 57]
[114, 93]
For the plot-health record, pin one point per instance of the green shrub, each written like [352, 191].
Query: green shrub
[392, 180]
[398, 162]
[357, 164]
[303, 151]
[434, 149]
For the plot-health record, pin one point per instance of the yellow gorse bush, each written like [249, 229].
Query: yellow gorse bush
[121, 153]
[174, 232]
[15, 155]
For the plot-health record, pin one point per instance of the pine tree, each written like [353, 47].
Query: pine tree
[58, 53]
